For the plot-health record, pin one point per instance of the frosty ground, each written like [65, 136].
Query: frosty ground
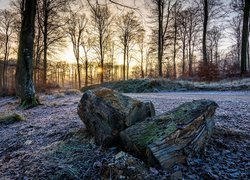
[53, 143]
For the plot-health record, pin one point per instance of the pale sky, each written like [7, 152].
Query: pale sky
[68, 52]
[4, 3]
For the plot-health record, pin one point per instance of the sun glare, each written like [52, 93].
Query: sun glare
[68, 55]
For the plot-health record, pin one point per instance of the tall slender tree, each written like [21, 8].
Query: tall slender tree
[102, 18]
[76, 26]
[24, 85]
[51, 24]
[162, 10]
[129, 28]
[7, 21]
[204, 33]
[245, 35]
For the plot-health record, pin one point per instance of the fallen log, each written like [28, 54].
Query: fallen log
[106, 113]
[169, 138]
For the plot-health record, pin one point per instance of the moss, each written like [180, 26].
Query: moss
[72, 92]
[29, 103]
[104, 92]
[59, 95]
[147, 137]
[162, 126]
[10, 118]
[155, 132]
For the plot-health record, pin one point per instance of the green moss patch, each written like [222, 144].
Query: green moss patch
[10, 118]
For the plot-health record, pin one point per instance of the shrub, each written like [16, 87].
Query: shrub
[209, 72]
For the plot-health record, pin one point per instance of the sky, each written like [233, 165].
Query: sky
[4, 3]
[67, 53]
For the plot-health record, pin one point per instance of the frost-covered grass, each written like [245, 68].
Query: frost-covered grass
[53, 141]
[160, 85]
[240, 84]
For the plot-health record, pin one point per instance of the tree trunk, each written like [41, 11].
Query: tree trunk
[124, 61]
[204, 39]
[5, 63]
[79, 73]
[45, 46]
[127, 63]
[160, 37]
[183, 54]
[245, 34]
[175, 40]
[24, 85]
[102, 58]
[142, 70]
[86, 66]
[171, 137]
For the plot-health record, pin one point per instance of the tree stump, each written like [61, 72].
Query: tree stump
[106, 113]
[169, 138]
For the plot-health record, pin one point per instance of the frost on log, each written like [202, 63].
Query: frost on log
[169, 138]
[159, 140]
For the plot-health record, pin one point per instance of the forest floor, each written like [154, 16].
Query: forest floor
[52, 142]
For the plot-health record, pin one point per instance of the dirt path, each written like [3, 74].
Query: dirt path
[29, 149]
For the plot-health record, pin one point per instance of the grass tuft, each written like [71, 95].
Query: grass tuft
[10, 118]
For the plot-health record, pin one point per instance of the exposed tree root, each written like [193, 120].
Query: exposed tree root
[29, 103]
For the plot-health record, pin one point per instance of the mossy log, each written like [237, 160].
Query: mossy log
[106, 113]
[169, 138]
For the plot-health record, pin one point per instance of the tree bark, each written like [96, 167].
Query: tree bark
[127, 63]
[245, 34]
[175, 39]
[204, 39]
[169, 138]
[142, 59]
[24, 85]
[183, 55]
[78, 68]
[160, 36]
[86, 65]
[45, 44]
[102, 57]
[124, 60]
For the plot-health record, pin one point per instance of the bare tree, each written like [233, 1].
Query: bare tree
[183, 21]
[129, 28]
[24, 84]
[175, 12]
[7, 22]
[162, 10]
[51, 24]
[204, 33]
[102, 19]
[236, 25]
[87, 43]
[76, 26]
[211, 10]
[141, 43]
[193, 28]
[214, 36]
[245, 35]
